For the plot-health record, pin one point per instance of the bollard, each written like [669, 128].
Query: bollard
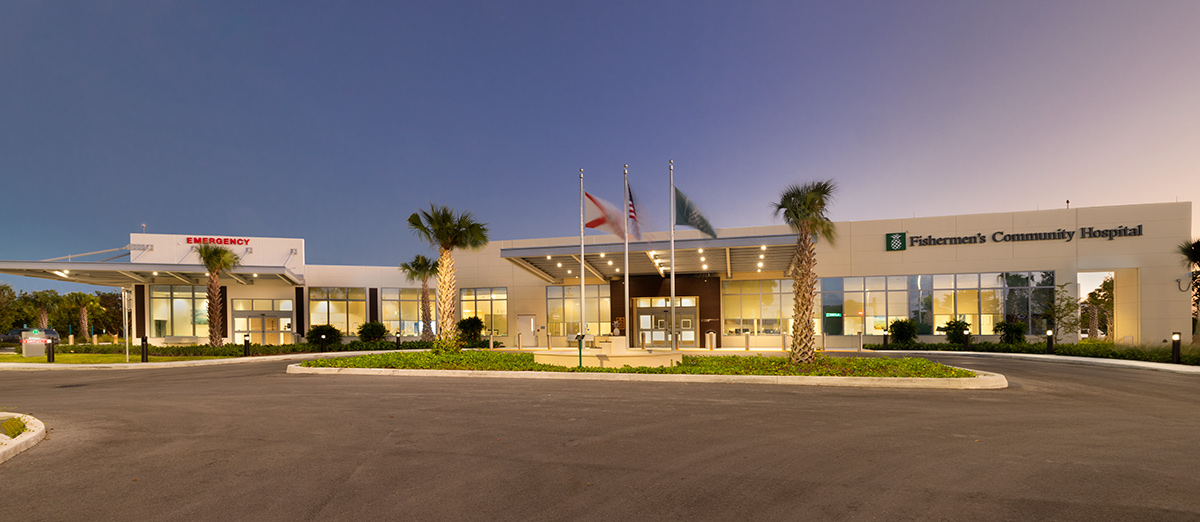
[747, 341]
[491, 341]
[520, 345]
[885, 336]
[1050, 342]
[1176, 356]
[397, 341]
[50, 351]
[246, 347]
[145, 350]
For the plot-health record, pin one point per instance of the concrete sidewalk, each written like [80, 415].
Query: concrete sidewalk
[1085, 361]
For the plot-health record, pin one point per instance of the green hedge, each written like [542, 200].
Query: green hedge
[1086, 349]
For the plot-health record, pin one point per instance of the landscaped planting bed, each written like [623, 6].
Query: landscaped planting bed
[692, 364]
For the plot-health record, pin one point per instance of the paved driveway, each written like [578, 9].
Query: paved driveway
[248, 442]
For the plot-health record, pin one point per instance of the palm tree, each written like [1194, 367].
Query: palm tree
[441, 228]
[422, 268]
[1190, 251]
[216, 258]
[44, 301]
[83, 302]
[803, 208]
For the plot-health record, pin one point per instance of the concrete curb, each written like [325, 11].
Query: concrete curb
[35, 431]
[1065, 359]
[984, 380]
[183, 364]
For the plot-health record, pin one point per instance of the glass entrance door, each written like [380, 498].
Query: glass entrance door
[653, 322]
[265, 328]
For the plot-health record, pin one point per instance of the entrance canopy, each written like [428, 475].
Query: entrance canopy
[554, 264]
[127, 274]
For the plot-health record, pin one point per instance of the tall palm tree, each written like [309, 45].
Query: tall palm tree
[442, 229]
[422, 268]
[803, 208]
[83, 302]
[216, 258]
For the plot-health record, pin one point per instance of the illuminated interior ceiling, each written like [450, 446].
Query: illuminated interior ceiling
[721, 256]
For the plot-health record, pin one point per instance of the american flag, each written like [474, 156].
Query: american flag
[634, 228]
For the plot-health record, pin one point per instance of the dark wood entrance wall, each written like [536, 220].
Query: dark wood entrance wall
[707, 288]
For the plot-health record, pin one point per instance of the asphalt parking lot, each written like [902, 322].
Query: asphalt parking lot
[249, 442]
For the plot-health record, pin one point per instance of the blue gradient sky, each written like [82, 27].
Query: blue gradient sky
[334, 121]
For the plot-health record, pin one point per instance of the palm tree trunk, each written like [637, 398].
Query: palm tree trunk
[426, 312]
[804, 282]
[446, 295]
[83, 320]
[216, 330]
[43, 319]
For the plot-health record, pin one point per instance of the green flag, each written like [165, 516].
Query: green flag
[686, 213]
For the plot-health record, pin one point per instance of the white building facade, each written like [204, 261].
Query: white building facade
[732, 292]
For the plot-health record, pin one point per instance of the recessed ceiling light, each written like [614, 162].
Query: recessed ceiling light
[701, 258]
[153, 273]
[547, 257]
[704, 267]
[760, 264]
[560, 265]
[762, 256]
[610, 263]
[701, 250]
[568, 271]
[601, 254]
[764, 247]
[618, 269]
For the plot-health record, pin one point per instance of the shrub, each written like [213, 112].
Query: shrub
[957, 332]
[12, 427]
[470, 329]
[372, 331]
[1010, 333]
[446, 346]
[324, 335]
[903, 331]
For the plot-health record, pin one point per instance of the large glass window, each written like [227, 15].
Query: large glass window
[761, 307]
[341, 307]
[562, 309]
[850, 305]
[402, 310]
[179, 311]
[490, 305]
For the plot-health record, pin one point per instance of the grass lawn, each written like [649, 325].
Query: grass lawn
[692, 364]
[94, 358]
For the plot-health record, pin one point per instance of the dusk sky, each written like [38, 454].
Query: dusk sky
[333, 121]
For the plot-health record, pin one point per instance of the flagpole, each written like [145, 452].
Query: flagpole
[628, 321]
[582, 317]
[674, 217]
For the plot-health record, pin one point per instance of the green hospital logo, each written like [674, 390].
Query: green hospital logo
[896, 241]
